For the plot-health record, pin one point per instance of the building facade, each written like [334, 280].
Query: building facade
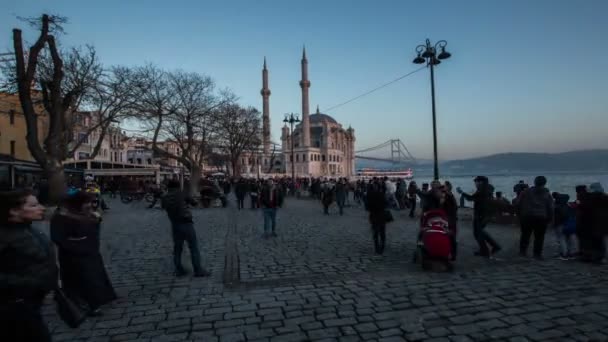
[322, 147]
[13, 130]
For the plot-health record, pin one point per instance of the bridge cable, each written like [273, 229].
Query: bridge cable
[373, 90]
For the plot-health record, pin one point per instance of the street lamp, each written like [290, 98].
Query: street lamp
[292, 119]
[427, 53]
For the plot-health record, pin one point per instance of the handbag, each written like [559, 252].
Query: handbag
[388, 216]
[70, 312]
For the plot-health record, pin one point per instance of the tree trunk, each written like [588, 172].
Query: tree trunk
[195, 178]
[235, 167]
[56, 178]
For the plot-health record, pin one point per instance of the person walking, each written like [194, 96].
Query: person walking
[341, 193]
[75, 230]
[328, 197]
[482, 212]
[535, 209]
[411, 192]
[377, 205]
[271, 199]
[254, 189]
[240, 190]
[28, 270]
[182, 228]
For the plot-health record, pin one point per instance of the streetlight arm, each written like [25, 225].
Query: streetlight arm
[441, 44]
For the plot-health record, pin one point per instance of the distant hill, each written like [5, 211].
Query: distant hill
[587, 160]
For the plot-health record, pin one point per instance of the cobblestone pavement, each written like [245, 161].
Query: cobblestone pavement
[319, 281]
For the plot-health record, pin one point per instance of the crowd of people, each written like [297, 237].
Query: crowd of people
[33, 265]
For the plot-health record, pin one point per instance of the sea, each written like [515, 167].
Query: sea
[562, 182]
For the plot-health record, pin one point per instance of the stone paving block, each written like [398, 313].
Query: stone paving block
[228, 323]
[235, 337]
[438, 332]
[289, 337]
[551, 334]
[323, 333]
[123, 337]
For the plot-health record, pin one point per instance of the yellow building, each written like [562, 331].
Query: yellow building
[17, 166]
[13, 128]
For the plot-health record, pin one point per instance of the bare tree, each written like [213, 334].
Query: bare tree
[179, 107]
[239, 131]
[62, 84]
[111, 101]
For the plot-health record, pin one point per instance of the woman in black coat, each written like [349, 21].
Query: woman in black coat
[75, 231]
[377, 206]
[27, 268]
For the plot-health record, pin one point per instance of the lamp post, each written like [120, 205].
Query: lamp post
[427, 53]
[292, 119]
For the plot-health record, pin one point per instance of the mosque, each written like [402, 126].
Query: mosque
[321, 145]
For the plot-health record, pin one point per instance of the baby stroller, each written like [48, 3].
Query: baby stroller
[434, 245]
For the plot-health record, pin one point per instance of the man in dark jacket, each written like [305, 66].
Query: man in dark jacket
[341, 193]
[482, 211]
[535, 210]
[271, 199]
[377, 206]
[182, 226]
[240, 190]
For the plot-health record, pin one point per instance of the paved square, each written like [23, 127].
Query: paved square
[320, 281]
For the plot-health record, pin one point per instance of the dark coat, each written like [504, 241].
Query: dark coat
[82, 270]
[376, 205]
[592, 221]
[265, 197]
[240, 190]
[328, 195]
[27, 263]
[175, 202]
[341, 190]
[482, 202]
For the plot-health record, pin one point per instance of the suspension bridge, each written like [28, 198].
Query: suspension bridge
[391, 151]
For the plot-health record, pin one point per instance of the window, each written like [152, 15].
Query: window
[317, 144]
[13, 148]
[149, 161]
[83, 138]
[297, 157]
[322, 157]
[115, 156]
[121, 156]
[11, 115]
[83, 155]
[291, 158]
[138, 160]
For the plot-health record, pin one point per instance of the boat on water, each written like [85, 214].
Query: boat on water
[368, 173]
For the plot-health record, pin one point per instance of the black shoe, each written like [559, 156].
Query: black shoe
[202, 274]
[180, 273]
[496, 249]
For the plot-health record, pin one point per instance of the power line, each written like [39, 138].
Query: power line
[375, 89]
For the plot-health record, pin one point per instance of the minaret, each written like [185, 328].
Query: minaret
[305, 84]
[265, 111]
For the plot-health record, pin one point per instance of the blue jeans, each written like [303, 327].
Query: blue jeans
[184, 232]
[270, 219]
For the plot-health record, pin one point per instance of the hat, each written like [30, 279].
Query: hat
[596, 187]
[482, 179]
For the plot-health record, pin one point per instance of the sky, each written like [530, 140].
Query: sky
[524, 76]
